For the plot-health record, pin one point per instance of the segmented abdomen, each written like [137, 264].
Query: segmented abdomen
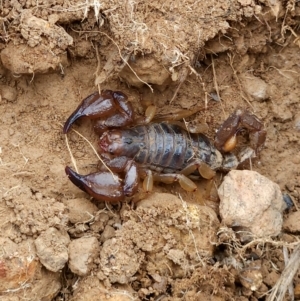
[168, 148]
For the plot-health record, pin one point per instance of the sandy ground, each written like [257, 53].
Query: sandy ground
[219, 56]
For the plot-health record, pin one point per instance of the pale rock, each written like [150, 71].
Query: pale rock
[21, 59]
[108, 233]
[252, 201]
[82, 253]
[92, 289]
[17, 265]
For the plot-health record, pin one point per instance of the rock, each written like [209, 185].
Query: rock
[180, 221]
[255, 87]
[250, 200]
[291, 224]
[17, 265]
[147, 69]
[80, 210]
[169, 231]
[8, 93]
[100, 222]
[21, 274]
[52, 249]
[82, 252]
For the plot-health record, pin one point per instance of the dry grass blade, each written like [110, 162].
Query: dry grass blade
[71, 154]
[216, 84]
[238, 81]
[280, 288]
[94, 150]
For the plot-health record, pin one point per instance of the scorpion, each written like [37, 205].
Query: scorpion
[155, 151]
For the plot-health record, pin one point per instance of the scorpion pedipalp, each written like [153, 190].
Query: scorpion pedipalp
[100, 185]
[105, 185]
[103, 105]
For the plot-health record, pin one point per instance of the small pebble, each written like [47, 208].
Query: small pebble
[255, 87]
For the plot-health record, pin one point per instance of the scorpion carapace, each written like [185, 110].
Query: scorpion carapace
[162, 151]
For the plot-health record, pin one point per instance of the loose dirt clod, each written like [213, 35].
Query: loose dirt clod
[52, 249]
[291, 224]
[82, 253]
[80, 210]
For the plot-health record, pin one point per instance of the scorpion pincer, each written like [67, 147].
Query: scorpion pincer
[162, 151]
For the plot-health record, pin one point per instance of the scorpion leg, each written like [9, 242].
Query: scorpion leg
[226, 139]
[186, 183]
[148, 181]
[149, 177]
[178, 115]
[131, 178]
[149, 115]
[204, 169]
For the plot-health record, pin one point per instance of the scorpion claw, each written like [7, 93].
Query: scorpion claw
[103, 186]
[93, 106]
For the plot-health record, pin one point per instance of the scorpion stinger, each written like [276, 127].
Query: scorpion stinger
[226, 137]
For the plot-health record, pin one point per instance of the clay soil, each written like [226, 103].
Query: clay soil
[216, 56]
